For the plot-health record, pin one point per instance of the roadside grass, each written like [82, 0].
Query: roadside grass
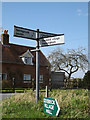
[73, 104]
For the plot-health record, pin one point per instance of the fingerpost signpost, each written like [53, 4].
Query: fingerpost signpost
[45, 39]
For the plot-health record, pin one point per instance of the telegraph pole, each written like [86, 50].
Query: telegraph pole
[37, 65]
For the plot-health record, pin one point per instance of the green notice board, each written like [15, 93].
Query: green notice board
[50, 106]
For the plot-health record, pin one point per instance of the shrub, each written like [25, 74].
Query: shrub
[86, 80]
[6, 84]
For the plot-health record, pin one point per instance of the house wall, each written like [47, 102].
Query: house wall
[18, 70]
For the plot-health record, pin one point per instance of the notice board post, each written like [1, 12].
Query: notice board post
[37, 65]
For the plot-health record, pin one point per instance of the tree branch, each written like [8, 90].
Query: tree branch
[75, 70]
[64, 70]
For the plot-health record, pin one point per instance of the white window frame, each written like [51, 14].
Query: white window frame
[29, 60]
[27, 57]
[26, 79]
[41, 79]
[1, 76]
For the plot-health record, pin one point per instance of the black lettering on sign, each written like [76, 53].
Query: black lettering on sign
[22, 31]
[19, 33]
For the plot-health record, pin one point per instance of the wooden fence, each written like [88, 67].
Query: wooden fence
[68, 84]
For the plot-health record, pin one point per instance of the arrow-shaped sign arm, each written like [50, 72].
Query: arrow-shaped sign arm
[58, 108]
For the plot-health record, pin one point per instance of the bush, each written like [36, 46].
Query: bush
[6, 84]
[86, 80]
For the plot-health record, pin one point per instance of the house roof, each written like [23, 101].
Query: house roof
[11, 54]
[27, 53]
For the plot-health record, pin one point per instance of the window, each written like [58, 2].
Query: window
[3, 76]
[28, 60]
[27, 78]
[41, 79]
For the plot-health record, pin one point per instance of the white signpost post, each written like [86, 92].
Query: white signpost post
[46, 39]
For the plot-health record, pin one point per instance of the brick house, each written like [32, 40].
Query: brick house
[19, 63]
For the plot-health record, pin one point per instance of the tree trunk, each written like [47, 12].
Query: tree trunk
[69, 76]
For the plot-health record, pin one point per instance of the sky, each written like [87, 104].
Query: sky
[69, 18]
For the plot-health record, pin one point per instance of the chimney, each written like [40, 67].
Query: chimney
[5, 38]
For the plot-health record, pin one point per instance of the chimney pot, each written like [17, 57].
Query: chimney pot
[5, 31]
[5, 38]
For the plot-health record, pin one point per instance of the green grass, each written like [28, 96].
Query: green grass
[73, 104]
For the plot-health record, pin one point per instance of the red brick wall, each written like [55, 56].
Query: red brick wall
[18, 71]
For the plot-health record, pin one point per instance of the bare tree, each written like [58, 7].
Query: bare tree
[69, 62]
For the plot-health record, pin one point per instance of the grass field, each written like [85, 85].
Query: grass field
[73, 104]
